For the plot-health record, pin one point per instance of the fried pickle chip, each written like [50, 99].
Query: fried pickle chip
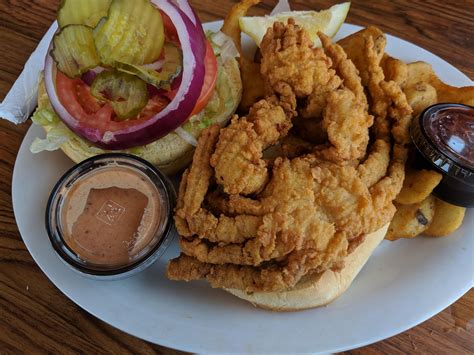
[447, 219]
[417, 186]
[423, 72]
[411, 220]
[420, 96]
[252, 81]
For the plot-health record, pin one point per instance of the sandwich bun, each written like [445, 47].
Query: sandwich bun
[170, 153]
[319, 289]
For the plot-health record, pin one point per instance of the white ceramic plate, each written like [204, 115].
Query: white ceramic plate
[403, 283]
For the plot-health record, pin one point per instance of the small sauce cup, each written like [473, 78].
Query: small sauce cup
[444, 137]
[110, 216]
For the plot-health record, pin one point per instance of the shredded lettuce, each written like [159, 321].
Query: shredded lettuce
[45, 117]
[223, 45]
[57, 134]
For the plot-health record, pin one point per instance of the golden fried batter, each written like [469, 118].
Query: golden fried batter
[238, 158]
[261, 225]
[354, 46]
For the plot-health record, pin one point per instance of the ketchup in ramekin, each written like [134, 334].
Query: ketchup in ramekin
[444, 136]
[110, 216]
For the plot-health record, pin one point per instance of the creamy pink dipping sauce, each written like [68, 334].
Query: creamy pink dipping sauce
[110, 215]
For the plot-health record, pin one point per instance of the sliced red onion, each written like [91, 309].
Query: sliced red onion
[194, 48]
[188, 10]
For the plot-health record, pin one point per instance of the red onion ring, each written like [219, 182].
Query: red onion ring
[194, 48]
[184, 6]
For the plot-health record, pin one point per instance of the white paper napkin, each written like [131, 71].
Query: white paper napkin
[22, 98]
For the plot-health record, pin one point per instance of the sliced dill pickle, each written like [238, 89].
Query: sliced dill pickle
[82, 12]
[171, 68]
[74, 50]
[133, 33]
[127, 94]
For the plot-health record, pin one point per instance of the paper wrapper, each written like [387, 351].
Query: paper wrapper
[22, 98]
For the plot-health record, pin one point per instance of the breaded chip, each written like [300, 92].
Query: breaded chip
[423, 72]
[420, 96]
[411, 220]
[417, 186]
[447, 219]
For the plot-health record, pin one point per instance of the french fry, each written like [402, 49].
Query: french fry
[447, 219]
[252, 81]
[417, 186]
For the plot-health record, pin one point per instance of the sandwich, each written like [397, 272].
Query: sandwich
[285, 205]
[137, 77]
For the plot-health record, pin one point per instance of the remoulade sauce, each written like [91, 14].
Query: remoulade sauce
[110, 215]
[444, 136]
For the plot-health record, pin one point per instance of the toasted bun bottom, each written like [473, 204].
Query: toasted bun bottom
[317, 289]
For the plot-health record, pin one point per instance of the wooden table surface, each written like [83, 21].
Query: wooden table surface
[36, 317]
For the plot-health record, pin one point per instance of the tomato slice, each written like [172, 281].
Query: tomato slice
[79, 102]
[156, 104]
[75, 96]
[88, 102]
[210, 79]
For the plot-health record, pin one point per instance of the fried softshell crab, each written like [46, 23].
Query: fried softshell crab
[255, 223]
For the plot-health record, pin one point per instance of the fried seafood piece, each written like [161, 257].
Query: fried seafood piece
[190, 218]
[303, 231]
[347, 123]
[238, 157]
[354, 47]
[376, 164]
[310, 211]
[305, 204]
[345, 119]
[345, 68]
[388, 99]
[288, 56]
[273, 277]
[292, 220]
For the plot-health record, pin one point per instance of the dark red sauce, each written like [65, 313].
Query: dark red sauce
[451, 129]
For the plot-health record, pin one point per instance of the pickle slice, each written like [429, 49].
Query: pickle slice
[82, 12]
[127, 94]
[74, 50]
[170, 69]
[133, 33]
